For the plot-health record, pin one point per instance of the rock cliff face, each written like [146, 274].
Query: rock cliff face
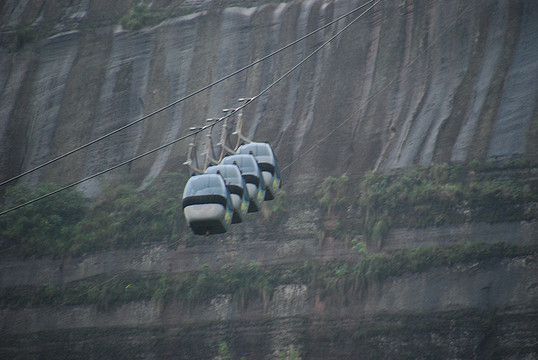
[411, 82]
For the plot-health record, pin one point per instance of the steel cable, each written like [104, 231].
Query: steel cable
[373, 2]
[153, 113]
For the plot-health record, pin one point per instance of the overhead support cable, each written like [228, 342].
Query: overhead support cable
[375, 2]
[5, 331]
[407, 66]
[186, 97]
[382, 89]
[295, 67]
[200, 129]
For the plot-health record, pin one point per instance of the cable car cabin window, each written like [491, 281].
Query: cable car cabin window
[230, 173]
[247, 164]
[263, 154]
[202, 185]
[257, 149]
[205, 189]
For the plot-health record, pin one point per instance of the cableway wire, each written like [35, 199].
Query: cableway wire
[186, 97]
[234, 111]
[371, 97]
[315, 51]
[407, 67]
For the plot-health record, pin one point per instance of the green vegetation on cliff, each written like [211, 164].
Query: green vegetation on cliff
[67, 224]
[249, 282]
[138, 17]
[446, 193]
[44, 228]
[434, 195]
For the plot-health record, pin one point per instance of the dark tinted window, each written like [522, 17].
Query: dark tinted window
[258, 149]
[230, 173]
[207, 184]
[246, 163]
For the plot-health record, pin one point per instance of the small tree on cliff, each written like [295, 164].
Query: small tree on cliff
[331, 193]
[138, 17]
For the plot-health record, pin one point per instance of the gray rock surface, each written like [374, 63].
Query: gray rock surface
[412, 82]
[409, 83]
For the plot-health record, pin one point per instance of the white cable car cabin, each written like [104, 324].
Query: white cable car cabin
[253, 177]
[268, 164]
[207, 204]
[236, 186]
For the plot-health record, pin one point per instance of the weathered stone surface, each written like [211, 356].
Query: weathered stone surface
[442, 303]
[412, 82]
[181, 260]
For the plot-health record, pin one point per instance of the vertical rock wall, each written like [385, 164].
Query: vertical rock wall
[412, 82]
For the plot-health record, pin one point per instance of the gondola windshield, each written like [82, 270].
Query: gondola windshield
[246, 163]
[205, 185]
[258, 149]
[230, 173]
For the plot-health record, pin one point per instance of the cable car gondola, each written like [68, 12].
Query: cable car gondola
[253, 177]
[207, 204]
[268, 165]
[237, 187]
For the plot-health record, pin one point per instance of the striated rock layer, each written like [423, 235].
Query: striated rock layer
[412, 82]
